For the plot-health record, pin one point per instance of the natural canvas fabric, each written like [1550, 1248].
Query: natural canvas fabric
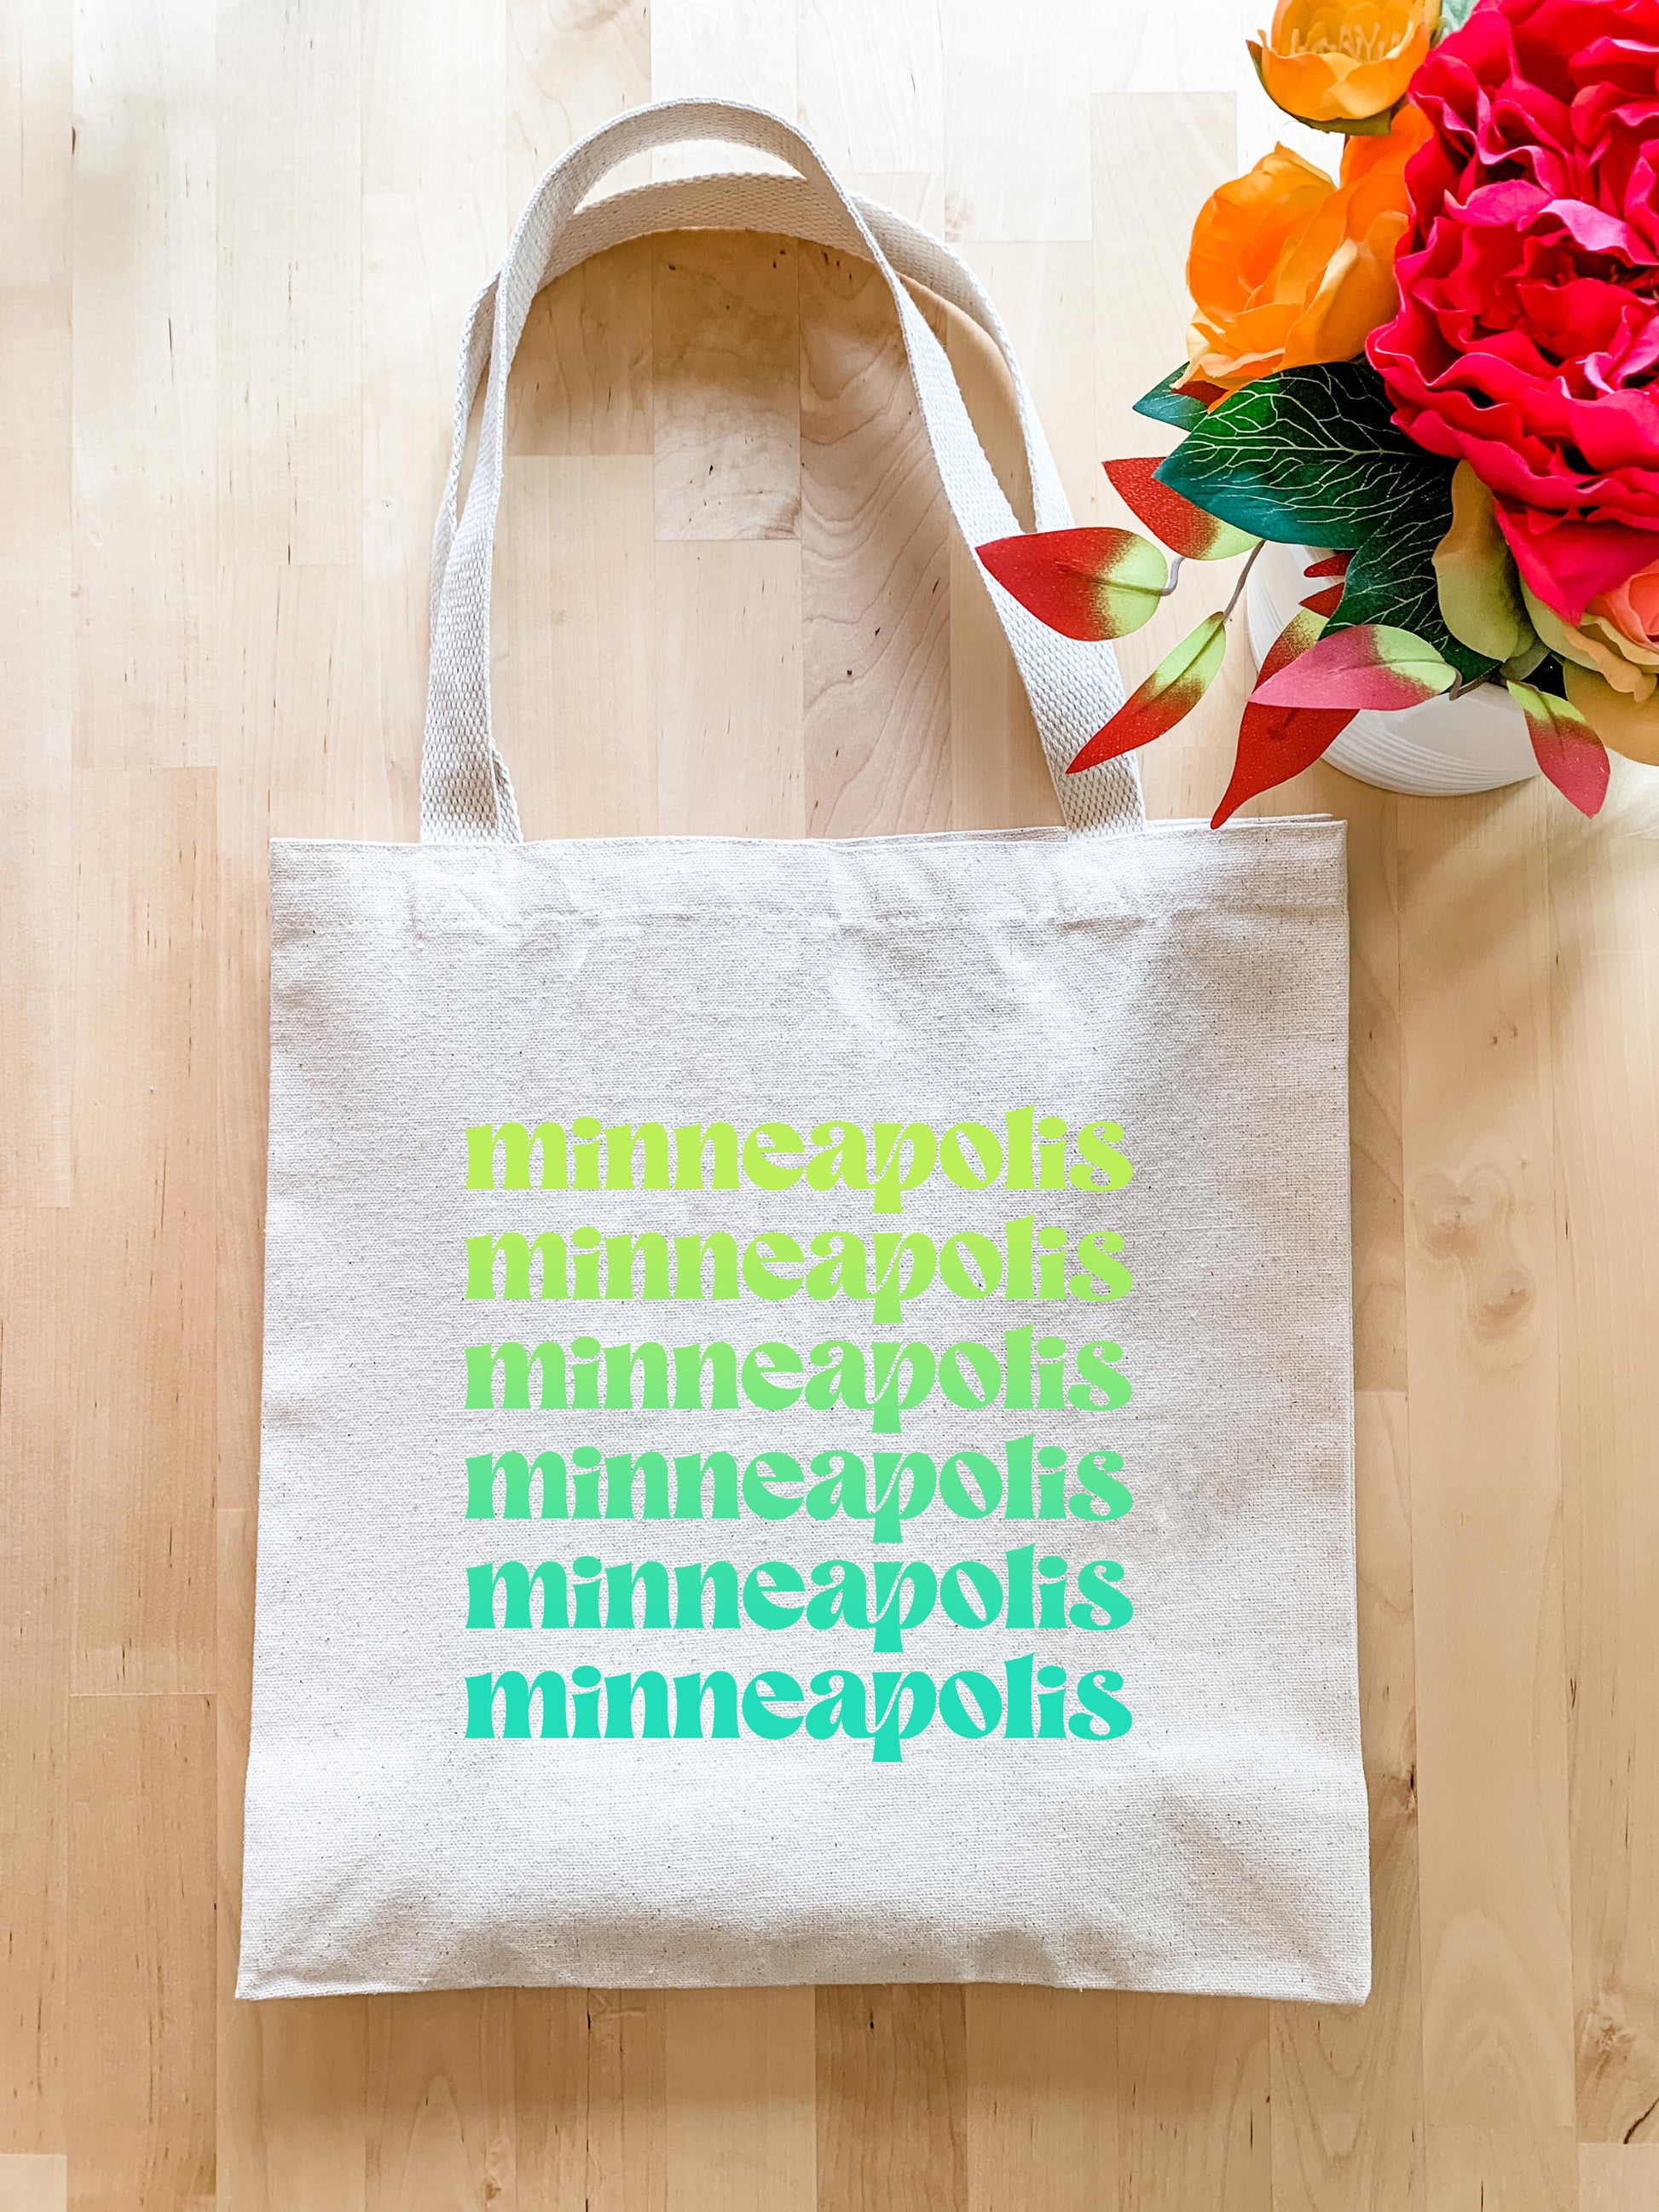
[807, 1427]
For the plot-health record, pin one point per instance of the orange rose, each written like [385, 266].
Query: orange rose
[1288, 268]
[1337, 63]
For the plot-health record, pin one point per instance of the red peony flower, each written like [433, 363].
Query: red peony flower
[1527, 340]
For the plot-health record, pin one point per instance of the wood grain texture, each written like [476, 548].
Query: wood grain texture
[236, 245]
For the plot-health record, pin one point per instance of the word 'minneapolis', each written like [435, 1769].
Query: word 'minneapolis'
[1021, 1259]
[1026, 1152]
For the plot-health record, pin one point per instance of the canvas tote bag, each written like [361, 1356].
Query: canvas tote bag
[807, 1420]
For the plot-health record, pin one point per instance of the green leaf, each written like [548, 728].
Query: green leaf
[1371, 666]
[1475, 578]
[1453, 14]
[1311, 457]
[1566, 747]
[1168, 696]
[1165, 405]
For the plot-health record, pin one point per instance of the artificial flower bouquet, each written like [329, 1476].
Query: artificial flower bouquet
[1440, 371]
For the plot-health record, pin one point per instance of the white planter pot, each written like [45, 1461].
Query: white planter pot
[1476, 743]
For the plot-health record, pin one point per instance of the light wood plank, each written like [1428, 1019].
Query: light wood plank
[34, 1675]
[875, 549]
[626, 2101]
[424, 256]
[138, 1413]
[292, 2078]
[33, 2181]
[738, 2085]
[892, 2099]
[570, 68]
[1003, 95]
[1482, 1330]
[434, 98]
[725, 399]
[1347, 2080]
[729, 753]
[139, 2056]
[145, 288]
[37, 670]
[744, 50]
[575, 701]
[1614, 2177]
[1605, 1080]
[871, 98]
[440, 2070]
[1042, 2127]
[290, 284]
[582, 382]
[1193, 2099]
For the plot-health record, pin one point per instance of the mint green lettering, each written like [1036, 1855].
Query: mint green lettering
[905, 1153]
[513, 1577]
[897, 1722]
[1103, 1498]
[1102, 1387]
[764, 1586]
[762, 1701]
[690, 1582]
[764, 1364]
[515, 1144]
[516, 1253]
[762, 1163]
[1093, 1694]
[691, 1363]
[761, 1262]
[838, 1379]
[693, 1475]
[690, 1692]
[515, 1474]
[620, 1691]
[766, 1482]
[623, 1254]
[620, 1583]
[906, 1591]
[621, 1362]
[904, 1376]
[513, 1363]
[1103, 1166]
[693, 1254]
[1104, 1605]
[515, 1694]
[620, 1145]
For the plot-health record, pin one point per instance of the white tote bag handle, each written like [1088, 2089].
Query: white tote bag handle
[466, 795]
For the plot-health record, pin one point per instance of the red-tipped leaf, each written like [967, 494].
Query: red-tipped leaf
[1564, 746]
[1276, 743]
[1171, 517]
[1326, 602]
[1170, 692]
[1334, 564]
[1089, 583]
[1371, 665]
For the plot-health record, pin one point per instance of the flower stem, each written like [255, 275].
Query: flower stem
[1243, 578]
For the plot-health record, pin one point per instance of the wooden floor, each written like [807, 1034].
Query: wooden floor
[236, 251]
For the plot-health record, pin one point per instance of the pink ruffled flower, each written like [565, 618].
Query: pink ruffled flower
[1527, 340]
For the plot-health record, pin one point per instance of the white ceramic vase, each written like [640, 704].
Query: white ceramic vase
[1476, 743]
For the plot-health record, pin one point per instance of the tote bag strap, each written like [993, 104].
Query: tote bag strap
[466, 795]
